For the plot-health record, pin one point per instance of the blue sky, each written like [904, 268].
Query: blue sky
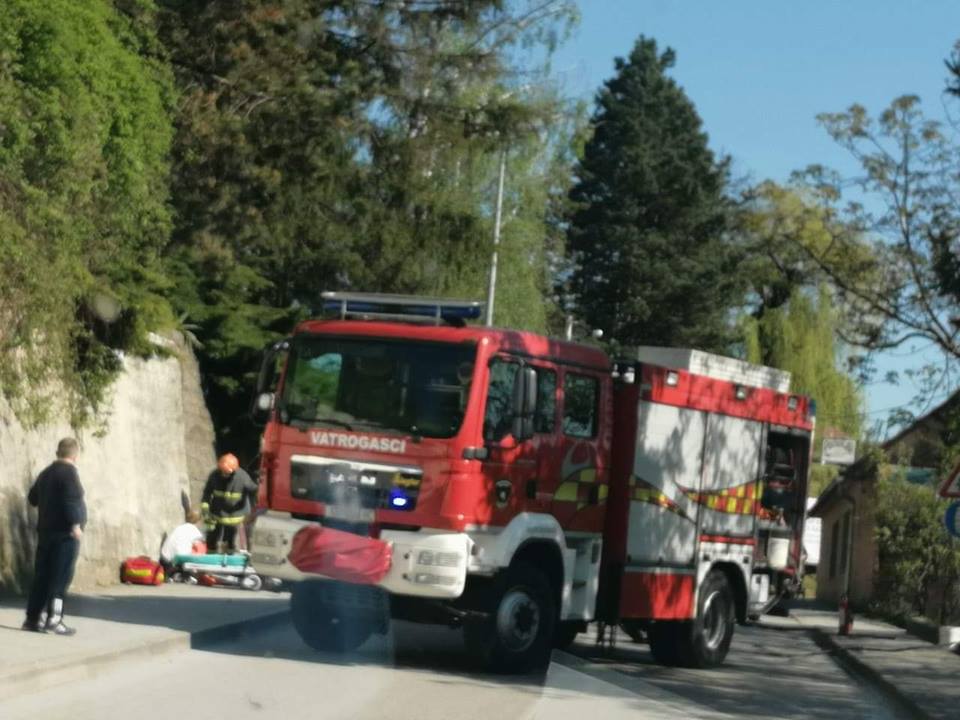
[759, 72]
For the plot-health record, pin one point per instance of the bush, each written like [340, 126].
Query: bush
[919, 561]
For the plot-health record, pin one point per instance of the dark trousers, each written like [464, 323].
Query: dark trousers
[52, 573]
[226, 534]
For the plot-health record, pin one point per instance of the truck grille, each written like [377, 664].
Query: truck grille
[334, 482]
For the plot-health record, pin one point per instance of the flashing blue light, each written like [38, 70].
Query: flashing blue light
[399, 501]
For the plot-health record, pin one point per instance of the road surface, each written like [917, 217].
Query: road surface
[423, 673]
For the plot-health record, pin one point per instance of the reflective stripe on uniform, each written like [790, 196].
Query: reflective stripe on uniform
[230, 520]
[228, 495]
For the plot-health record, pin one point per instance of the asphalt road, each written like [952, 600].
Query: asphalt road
[423, 673]
[771, 672]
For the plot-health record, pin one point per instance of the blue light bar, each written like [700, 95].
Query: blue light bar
[379, 305]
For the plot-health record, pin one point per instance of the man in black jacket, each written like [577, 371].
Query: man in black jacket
[58, 496]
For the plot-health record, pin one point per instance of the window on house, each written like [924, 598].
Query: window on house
[834, 547]
[845, 542]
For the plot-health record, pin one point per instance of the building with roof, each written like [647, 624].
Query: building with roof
[849, 559]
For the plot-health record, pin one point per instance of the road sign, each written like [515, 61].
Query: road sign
[951, 518]
[950, 488]
[838, 451]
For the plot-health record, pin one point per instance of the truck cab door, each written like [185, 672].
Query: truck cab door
[512, 447]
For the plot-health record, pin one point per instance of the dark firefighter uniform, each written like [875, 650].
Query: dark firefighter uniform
[225, 503]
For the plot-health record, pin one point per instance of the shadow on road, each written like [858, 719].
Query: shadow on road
[768, 673]
[436, 650]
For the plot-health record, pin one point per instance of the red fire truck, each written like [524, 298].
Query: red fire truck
[418, 467]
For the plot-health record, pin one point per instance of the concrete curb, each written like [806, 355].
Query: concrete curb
[35, 678]
[859, 670]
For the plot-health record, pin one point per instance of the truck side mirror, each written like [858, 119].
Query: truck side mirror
[262, 406]
[263, 398]
[524, 402]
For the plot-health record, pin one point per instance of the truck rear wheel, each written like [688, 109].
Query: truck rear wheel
[518, 635]
[712, 630]
[704, 642]
[323, 627]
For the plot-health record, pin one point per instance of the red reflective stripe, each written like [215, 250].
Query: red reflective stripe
[698, 392]
[657, 596]
[728, 539]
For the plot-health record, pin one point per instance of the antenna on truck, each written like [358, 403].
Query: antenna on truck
[407, 308]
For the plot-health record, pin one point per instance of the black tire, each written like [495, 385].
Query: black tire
[566, 633]
[322, 627]
[704, 642]
[518, 635]
[252, 582]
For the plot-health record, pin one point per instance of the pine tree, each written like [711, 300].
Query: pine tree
[653, 263]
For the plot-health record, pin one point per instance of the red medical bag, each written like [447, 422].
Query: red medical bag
[141, 570]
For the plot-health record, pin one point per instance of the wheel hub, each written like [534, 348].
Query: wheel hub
[518, 620]
[714, 620]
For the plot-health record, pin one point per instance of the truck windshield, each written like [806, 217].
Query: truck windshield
[364, 383]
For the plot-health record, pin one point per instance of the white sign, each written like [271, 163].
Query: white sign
[838, 451]
[950, 487]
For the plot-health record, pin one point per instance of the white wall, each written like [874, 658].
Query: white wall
[133, 474]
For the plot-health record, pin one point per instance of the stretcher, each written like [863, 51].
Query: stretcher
[223, 569]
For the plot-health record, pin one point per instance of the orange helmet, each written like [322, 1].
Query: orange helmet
[228, 464]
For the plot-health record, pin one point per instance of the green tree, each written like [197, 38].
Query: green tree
[792, 322]
[654, 263]
[84, 141]
[346, 145]
[903, 290]
[799, 337]
[916, 554]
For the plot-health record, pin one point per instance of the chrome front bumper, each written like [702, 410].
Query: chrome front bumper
[424, 563]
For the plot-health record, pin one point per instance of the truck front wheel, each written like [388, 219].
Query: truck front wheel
[518, 634]
[323, 627]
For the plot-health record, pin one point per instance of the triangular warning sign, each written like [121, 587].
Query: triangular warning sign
[950, 488]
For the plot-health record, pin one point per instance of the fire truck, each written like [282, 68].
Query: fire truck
[415, 466]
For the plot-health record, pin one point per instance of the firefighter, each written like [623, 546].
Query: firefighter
[225, 503]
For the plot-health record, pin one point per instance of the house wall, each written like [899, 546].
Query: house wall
[860, 545]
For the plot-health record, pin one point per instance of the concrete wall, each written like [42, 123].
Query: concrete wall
[157, 444]
[861, 553]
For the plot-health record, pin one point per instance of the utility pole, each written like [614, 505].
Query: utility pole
[492, 287]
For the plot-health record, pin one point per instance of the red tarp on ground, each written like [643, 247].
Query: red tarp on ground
[340, 555]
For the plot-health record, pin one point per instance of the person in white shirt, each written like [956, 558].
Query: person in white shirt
[180, 541]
